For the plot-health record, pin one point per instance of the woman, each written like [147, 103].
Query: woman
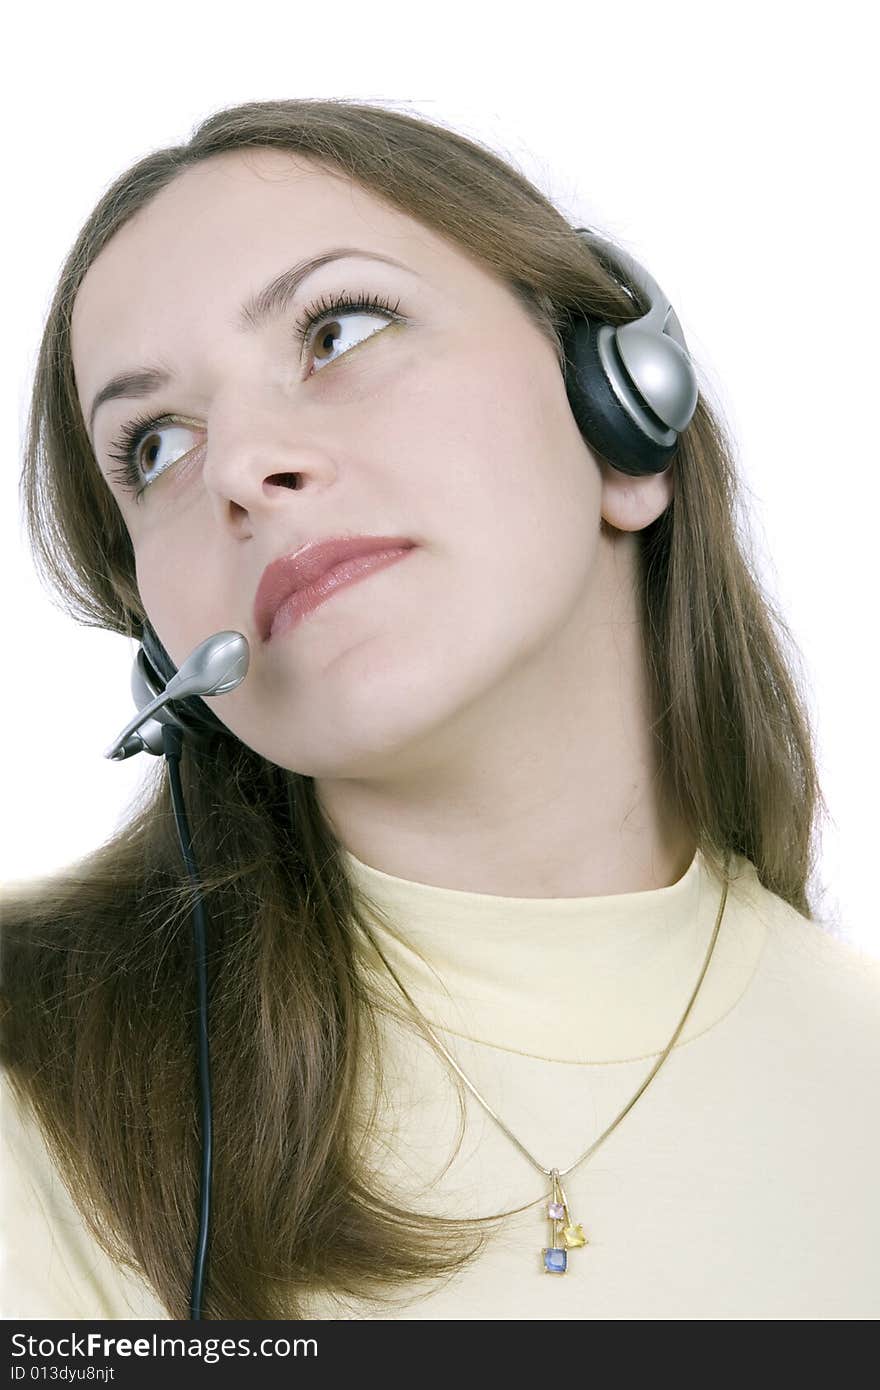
[505, 812]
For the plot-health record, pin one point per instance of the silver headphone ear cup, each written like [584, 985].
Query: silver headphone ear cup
[655, 375]
[601, 418]
[632, 388]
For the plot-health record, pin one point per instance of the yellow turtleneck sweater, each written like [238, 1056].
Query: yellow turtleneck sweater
[741, 1185]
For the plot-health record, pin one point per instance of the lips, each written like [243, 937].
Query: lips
[305, 566]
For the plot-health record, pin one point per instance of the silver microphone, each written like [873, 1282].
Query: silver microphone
[218, 664]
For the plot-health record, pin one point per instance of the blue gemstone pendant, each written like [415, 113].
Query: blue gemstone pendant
[555, 1260]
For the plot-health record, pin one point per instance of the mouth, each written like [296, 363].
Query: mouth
[295, 584]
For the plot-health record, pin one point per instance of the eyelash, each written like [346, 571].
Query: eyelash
[133, 433]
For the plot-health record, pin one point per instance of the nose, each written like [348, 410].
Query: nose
[252, 462]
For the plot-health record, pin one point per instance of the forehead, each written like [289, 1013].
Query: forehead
[230, 207]
[214, 234]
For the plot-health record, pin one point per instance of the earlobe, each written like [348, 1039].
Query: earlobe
[629, 503]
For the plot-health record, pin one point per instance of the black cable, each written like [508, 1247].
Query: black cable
[172, 743]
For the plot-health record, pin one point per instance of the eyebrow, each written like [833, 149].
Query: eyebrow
[267, 303]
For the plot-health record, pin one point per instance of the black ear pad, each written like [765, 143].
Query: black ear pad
[600, 417]
[192, 714]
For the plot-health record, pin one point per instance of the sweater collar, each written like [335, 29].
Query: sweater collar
[595, 979]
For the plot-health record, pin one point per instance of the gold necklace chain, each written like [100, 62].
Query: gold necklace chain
[555, 1256]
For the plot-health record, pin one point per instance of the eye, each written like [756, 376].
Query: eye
[319, 315]
[144, 430]
[130, 449]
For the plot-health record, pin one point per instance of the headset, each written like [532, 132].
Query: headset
[632, 390]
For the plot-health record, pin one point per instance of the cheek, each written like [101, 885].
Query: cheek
[518, 491]
[508, 500]
[173, 590]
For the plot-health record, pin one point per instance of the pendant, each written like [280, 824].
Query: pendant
[556, 1255]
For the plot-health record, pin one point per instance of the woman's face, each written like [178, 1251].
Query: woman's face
[451, 428]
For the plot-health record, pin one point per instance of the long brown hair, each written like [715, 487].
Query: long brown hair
[98, 980]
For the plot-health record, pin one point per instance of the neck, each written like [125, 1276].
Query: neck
[546, 786]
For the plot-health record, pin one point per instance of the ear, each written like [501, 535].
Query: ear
[629, 503]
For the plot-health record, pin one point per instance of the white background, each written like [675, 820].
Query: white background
[727, 147]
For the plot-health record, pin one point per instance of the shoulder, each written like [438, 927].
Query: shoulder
[55, 1268]
[826, 960]
[825, 986]
[41, 1278]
